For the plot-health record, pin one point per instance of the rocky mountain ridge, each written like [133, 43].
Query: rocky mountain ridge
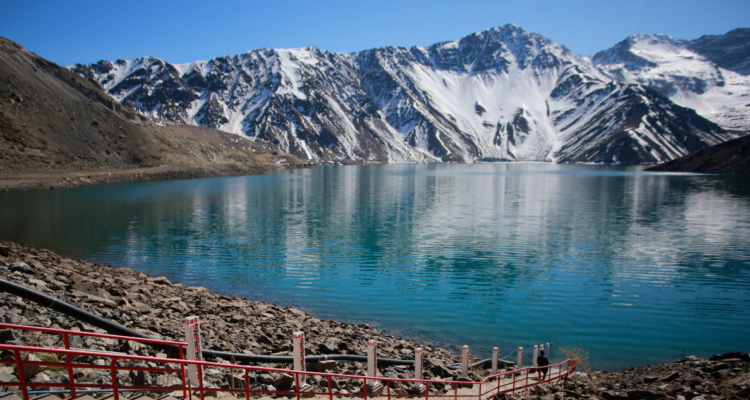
[500, 94]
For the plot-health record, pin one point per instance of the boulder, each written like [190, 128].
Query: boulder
[29, 371]
[21, 267]
[8, 334]
[322, 366]
[284, 381]
[266, 378]
[85, 287]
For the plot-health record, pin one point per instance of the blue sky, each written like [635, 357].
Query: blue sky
[69, 32]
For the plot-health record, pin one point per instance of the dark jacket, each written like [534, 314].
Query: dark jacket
[542, 361]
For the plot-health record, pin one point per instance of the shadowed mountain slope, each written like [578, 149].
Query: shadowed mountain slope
[732, 157]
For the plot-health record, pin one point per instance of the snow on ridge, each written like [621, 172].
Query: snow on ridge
[502, 93]
[686, 77]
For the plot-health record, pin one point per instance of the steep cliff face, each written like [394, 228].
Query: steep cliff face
[500, 94]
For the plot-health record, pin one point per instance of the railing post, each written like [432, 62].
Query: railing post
[298, 352]
[182, 367]
[330, 389]
[495, 355]
[69, 363]
[514, 384]
[465, 362]
[195, 350]
[200, 380]
[21, 375]
[296, 384]
[247, 385]
[115, 390]
[364, 389]
[372, 367]
[519, 363]
[418, 353]
[479, 397]
[388, 388]
[526, 385]
[427, 390]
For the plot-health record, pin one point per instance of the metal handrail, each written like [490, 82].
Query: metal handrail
[72, 385]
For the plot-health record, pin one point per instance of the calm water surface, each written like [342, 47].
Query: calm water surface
[635, 267]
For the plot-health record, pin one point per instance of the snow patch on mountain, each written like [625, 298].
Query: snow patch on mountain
[686, 77]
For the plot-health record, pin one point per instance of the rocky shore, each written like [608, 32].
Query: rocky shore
[720, 377]
[156, 307]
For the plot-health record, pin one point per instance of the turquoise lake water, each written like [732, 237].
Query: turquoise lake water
[636, 267]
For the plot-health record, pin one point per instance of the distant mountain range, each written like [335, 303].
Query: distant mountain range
[501, 94]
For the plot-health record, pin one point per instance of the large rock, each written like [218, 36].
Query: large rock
[30, 370]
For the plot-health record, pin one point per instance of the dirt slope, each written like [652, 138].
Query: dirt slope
[51, 120]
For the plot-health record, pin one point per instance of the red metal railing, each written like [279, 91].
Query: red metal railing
[501, 383]
[66, 342]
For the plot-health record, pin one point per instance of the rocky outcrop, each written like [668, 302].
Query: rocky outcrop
[732, 157]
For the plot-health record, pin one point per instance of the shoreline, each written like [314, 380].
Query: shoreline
[155, 306]
[46, 180]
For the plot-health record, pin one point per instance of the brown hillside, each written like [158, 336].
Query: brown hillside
[52, 120]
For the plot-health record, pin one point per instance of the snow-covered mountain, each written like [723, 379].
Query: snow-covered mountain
[708, 74]
[500, 94]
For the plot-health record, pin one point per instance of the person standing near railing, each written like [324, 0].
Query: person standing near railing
[542, 362]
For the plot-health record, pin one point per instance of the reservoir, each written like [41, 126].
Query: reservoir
[636, 267]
